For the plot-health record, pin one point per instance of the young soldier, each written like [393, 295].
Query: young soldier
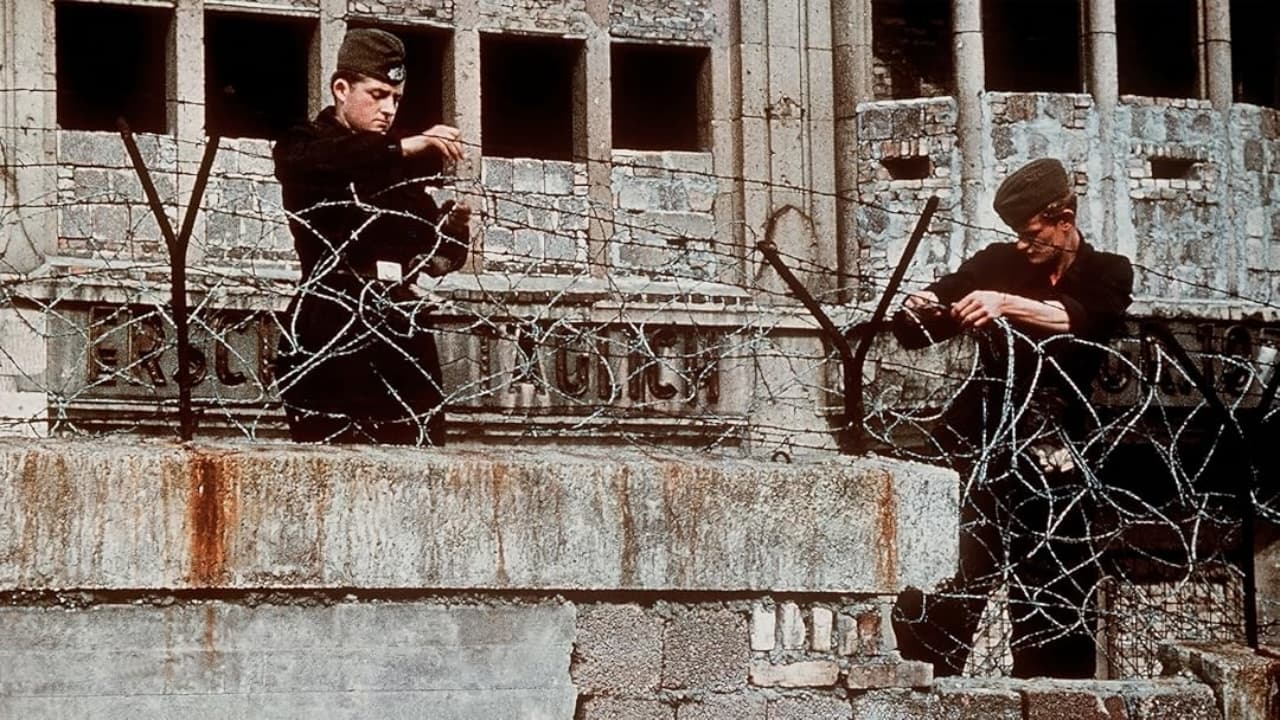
[357, 360]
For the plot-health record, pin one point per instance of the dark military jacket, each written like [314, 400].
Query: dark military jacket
[1057, 370]
[353, 345]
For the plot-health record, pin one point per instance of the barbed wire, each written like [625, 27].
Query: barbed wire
[696, 346]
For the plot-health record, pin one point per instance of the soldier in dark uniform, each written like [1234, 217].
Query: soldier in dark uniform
[1011, 430]
[357, 361]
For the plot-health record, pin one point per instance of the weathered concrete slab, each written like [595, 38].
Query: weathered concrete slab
[383, 660]
[143, 515]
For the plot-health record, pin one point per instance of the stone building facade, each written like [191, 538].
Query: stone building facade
[822, 126]
[819, 125]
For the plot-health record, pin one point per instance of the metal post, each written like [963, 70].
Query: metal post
[177, 245]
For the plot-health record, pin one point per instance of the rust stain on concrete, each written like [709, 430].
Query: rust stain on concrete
[887, 532]
[499, 489]
[684, 492]
[29, 491]
[210, 630]
[630, 551]
[211, 514]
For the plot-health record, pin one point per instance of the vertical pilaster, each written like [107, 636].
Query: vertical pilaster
[753, 137]
[725, 112]
[1104, 85]
[324, 52]
[28, 139]
[1216, 24]
[593, 117]
[462, 97]
[185, 109]
[970, 71]
[1216, 21]
[852, 65]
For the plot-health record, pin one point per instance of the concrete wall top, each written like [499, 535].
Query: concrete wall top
[152, 515]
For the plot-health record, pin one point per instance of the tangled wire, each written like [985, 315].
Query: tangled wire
[1112, 515]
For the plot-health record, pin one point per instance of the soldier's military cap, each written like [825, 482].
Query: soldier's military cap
[375, 53]
[1030, 189]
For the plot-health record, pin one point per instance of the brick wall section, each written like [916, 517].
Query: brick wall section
[543, 16]
[1174, 220]
[243, 215]
[1255, 172]
[689, 21]
[830, 659]
[440, 10]
[889, 208]
[102, 211]
[663, 220]
[535, 214]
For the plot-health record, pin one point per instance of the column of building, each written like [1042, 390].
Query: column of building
[970, 82]
[185, 113]
[593, 136]
[28, 141]
[462, 101]
[1104, 84]
[852, 62]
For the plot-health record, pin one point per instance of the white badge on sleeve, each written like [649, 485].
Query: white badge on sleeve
[389, 271]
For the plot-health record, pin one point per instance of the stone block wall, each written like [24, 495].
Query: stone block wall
[1255, 174]
[317, 655]
[244, 220]
[102, 211]
[733, 659]
[663, 218]
[440, 10]
[535, 214]
[1181, 235]
[679, 20]
[703, 661]
[920, 131]
[1192, 202]
[539, 16]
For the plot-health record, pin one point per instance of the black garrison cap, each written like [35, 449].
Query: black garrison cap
[375, 53]
[1030, 189]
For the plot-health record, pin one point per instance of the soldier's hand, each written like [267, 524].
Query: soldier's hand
[978, 308]
[437, 266]
[444, 139]
[923, 302]
[457, 220]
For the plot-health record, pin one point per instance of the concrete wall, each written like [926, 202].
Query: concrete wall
[152, 580]
[236, 580]
[239, 518]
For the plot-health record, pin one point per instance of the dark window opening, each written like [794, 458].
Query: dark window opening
[1168, 168]
[912, 43]
[256, 71]
[1255, 51]
[1032, 46]
[1156, 40]
[917, 167]
[658, 98]
[111, 63]
[527, 96]
[424, 67]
